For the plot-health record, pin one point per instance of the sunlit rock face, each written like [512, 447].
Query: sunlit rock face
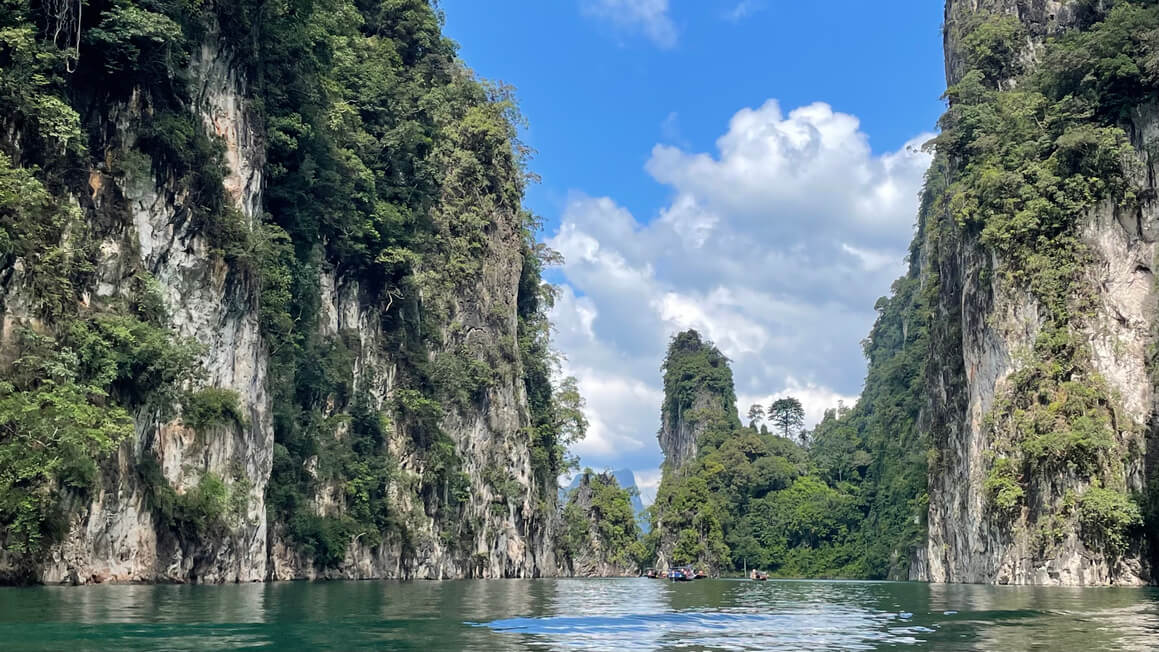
[699, 397]
[983, 326]
[113, 533]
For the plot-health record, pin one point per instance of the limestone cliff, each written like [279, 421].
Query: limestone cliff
[1040, 400]
[697, 391]
[699, 399]
[362, 399]
[627, 481]
[600, 535]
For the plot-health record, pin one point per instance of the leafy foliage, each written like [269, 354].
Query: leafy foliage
[557, 418]
[31, 221]
[136, 41]
[64, 404]
[32, 75]
[599, 508]
[788, 415]
[211, 406]
[205, 509]
[1109, 517]
[52, 427]
[1003, 484]
[389, 167]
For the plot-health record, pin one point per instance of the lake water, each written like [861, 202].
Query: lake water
[628, 614]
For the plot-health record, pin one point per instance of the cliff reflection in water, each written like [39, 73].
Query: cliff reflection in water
[573, 614]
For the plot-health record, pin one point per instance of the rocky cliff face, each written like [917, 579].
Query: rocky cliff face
[600, 529]
[113, 535]
[698, 393]
[470, 494]
[511, 535]
[1001, 509]
[699, 398]
[1041, 18]
[682, 426]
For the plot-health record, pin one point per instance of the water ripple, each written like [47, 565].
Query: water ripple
[839, 627]
[567, 614]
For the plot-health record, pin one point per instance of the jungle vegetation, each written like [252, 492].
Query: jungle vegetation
[388, 165]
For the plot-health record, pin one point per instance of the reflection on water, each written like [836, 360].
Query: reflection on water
[632, 614]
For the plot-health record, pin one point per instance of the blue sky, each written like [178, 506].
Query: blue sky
[746, 168]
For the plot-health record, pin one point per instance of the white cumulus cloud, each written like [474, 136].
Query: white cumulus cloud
[647, 482]
[814, 399]
[649, 17]
[775, 246]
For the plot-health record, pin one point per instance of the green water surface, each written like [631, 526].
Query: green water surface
[624, 614]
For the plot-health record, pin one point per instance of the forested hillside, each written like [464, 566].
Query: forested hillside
[271, 306]
[806, 505]
[599, 535]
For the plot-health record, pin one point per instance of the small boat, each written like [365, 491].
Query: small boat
[700, 574]
[683, 574]
[759, 576]
[653, 574]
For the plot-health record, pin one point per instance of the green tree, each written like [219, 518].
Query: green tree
[788, 415]
[600, 510]
[573, 424]
[837, 449]
[756, 415]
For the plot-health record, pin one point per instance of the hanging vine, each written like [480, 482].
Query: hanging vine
[63, 18]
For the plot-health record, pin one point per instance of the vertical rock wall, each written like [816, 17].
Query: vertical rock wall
[113, 535]
[984, 326]
[115, 538]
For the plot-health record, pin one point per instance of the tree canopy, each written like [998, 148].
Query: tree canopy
[788, 415]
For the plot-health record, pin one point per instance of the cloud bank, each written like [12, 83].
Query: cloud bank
[775, 246]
